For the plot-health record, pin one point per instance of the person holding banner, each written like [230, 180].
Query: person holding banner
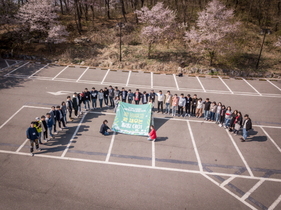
[152, 134]
[130, 96]
[137, 96]
[104, 128]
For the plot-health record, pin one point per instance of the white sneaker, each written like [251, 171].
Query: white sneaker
[31, 154]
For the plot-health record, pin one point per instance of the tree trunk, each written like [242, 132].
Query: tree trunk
[212, 55]
[61, 7]
[123, 10]
[107, 5]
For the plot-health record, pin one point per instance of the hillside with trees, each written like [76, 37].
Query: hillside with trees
[234, 37]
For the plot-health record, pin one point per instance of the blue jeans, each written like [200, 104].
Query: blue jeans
[245, 133]
[212, 116]
[101, 102]
[50, 131]
[217, 117]
[174, 110]
[206, 114]
[87, 103]
[226, 122]
[94, 103]
[167, 107]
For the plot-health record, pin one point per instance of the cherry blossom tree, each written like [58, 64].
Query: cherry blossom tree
[212, 26]
[159, 23]
[278, 43]
[39, 19]
[8, 9]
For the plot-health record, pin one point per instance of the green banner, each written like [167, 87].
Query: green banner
[132, 119]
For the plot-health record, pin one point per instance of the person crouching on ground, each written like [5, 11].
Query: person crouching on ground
[247, 125]
[152, 134]
[104, 128]
[32, 135]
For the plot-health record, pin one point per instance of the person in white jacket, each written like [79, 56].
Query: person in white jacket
[160, 99]
[182, 102]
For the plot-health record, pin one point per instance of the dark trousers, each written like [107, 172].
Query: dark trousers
[137, 102]
[180, 110]
[160, 106]
[61, 121]
[69, 113]
[193, 109]
[32, 144]
[55, 125]
[106, 100]
[129, 101]
[45, 134]
[111, 101]
[124, 100]
[75, 112]
[187, 109]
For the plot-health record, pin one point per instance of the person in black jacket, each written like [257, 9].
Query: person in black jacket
[104, 128]
[105, 96]
[144, 97]
[207, 106]
[123, 95]
[247, 125]
[194, 104]
[32, 135]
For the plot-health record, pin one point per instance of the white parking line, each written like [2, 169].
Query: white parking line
[228, 191]
[17, 68]
[201, 83]
[38, 70]
[82, 74]
[240, 154]
[108, 70]
[195, 147]
[271, 139]
[274, 85]
[11, 117]
[7, 63]
[73, 136]
[247, 194]
[275, 203]
[177, 85]
[129, 75]
[151, 74]
[59, 73]
[153, 154]
[110, 147]
[252, 87]
[21, 146]
[225, 85]
[225, 182]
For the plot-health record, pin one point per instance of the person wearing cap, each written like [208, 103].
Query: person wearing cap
[130, 96]
[32, 135]
[168, 102]
[188, 105]
[123, 95]
[38, 126]
[246, 125]
[160, 100]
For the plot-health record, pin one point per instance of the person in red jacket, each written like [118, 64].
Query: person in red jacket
[152, 135]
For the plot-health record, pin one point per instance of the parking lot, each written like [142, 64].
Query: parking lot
[193, 164]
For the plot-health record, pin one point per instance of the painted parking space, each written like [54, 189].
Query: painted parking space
[27, 69]
[116, 77]
[162, 80]
[3, 64]
[264, 87]
[72, 72]
[239, 86]
[140, 78]
[174, 149]
[88, 143]
[213, 84]
[191, 83]
[49, 71]
[216, 149]
[277, 83]
[93, 74]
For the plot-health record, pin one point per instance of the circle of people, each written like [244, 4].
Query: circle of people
[180, 106]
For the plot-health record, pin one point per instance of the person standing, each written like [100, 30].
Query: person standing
[207, 106]
[213, 110]
[53, 114]
[38, 126]
[130, 96]
[181, 105]
[63, 111]
[123, 95]
[101, 96]
[44, 128]
[137, 96]
[160, 101]
[94, 97]
[188, 105]
[247, 125]
[75, 104]
[144, 97]
[50, 123]
[116, 92]
[152, 134]
[194, 104]
[218, 112]
[152, 96]
[222, 115]
[87, 98]
[233, 118]
[105, 96]
[69, 107]
[168, 102]
[59, 117]
[32, 136]
[111, 96]
[199, 108]
[175, 103]
[237, 123]
[228, 116]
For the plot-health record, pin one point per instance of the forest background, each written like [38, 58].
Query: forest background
[234, 37]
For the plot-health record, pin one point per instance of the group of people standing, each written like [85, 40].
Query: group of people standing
[176, 106]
